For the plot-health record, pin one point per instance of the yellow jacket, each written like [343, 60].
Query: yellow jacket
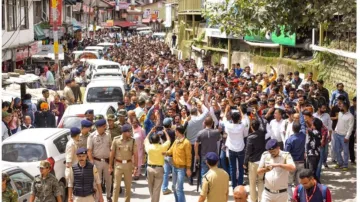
[181, 153]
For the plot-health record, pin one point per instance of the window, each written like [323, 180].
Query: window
[60, 143]
[22, 183]
[37, 11]
[23, 152]
[104, 94]
[72, 121]
[24, 14]
[3, 15]
[11, 15]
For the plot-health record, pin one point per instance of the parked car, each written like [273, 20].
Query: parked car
[100, 64]
[27, 148]
[74, 114]
[20, 181]
[104, 90]
[112, 73]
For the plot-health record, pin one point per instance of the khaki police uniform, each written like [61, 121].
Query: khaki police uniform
[115, 131]
[83, 140]
[100, 146]
[123, 165]
[276, 180]
[215, 185]
[70, 152]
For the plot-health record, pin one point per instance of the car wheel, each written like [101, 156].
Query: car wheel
[63, 189]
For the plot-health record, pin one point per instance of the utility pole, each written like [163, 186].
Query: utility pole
[56, 42]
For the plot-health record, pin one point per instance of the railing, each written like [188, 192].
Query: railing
[190, 5]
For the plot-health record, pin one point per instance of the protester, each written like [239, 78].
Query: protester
[27, 123]
[310, 190]
[44, 118]
[155, 161]
[255, 147]
[6, 118]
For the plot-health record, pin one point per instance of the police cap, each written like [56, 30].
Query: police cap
[81, 151]
[126, 128]
[74, 131]
[100, 122]
[271, 144]
[86, 123]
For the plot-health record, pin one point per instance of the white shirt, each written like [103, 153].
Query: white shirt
[246, 122]
[325, 118]
[286, 129]
[4, 132]
[276, 130]
[345, 124]
[235, 136]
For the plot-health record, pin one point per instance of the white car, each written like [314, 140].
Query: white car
[104, 90]
[100, 64]
[27, 148]
[74, 114]
[98, 49]
[112, 73]
[20, 181]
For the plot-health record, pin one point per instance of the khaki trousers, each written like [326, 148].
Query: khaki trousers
[155, 180]
[120, 170]
[255, 180]
[103, 168]
[89, 198]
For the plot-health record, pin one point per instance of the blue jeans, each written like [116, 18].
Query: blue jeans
[340, 145]
[223, 162]
[236, 157]
[178, 184]
[204, 169]
[321, 161]
[167, 170]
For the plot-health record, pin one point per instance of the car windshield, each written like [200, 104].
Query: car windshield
[23, 152]
[104, 94]
[108, 67]
[110, 75]
[72, 121]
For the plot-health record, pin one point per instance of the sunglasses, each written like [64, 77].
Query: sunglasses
[43, 168]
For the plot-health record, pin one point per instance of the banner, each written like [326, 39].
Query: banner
[267, 37]
[168, 15]
[58, 13]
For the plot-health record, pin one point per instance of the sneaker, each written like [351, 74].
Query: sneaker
[353, 162]
[337, 166]
[345, 169]
[326, 165]
[167, 191]
[333, 161]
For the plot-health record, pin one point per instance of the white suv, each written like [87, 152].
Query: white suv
[27, 148]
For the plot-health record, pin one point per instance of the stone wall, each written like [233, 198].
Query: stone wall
[331, 68]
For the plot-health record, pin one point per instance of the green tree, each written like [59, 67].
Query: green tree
[239, 17]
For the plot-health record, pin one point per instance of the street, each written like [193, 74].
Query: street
[342, 186]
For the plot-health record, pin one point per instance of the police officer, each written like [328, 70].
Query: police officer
[89, 114]
[98, 146]
[123, 150]
[45, 187]
[276, 165]
[215, 182]
[96, 118]
[85, 133]
[72, 146]
[8, 193]
[121, 114]
[114, 129]
[80, 178]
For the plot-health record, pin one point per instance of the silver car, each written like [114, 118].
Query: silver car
[20, 180]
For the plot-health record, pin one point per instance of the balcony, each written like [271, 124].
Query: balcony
[190, 6]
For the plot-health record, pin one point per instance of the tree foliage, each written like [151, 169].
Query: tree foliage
[239, 17]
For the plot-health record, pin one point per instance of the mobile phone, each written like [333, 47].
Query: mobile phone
[159, 128]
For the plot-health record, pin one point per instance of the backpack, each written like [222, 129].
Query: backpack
[322, 187]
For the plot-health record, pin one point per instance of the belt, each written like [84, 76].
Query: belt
[123, 161]
[298, 161]
[102, 160]
[276, 191]
[154, 166]
[83, 196]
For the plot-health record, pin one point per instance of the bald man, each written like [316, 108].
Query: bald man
[240, 194]
[131, 114]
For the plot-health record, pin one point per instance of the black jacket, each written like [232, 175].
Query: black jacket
[255, 147]
[45, 119]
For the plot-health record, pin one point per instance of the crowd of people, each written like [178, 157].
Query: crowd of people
[203, 124]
